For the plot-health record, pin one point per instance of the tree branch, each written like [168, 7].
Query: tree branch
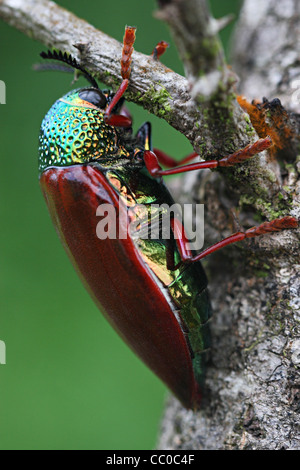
[215, 127]
[153, 86]
[253, 382]
[195, 33]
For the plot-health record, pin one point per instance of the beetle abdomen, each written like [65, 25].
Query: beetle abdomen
[117, 278]
[186, 286]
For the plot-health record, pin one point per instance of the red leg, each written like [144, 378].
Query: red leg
[169, 162]
[159, 50]
[276, 225]
[118, 119]
[154, 168]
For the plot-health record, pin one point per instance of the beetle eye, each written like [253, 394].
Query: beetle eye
[93, 96]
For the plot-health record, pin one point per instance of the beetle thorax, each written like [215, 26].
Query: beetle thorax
[74, 131]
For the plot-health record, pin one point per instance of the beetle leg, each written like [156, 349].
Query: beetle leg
[276, 225]
[151, 160]
[159, 50]
[118, 120]
[143, 136]
[182, 243]
[170, 162]
[170, 259]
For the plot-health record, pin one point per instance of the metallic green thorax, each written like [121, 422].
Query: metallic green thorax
[73, 131]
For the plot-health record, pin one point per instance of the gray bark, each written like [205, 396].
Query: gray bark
[253, 384]
[266, 51]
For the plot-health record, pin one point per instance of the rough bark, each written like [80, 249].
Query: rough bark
[253, 383]
[252, 388]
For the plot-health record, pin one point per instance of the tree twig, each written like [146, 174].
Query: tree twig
[195, 33]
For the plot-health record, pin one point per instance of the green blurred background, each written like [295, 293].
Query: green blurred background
[69, 381]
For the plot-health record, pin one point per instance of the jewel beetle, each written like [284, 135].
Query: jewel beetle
[153, 290]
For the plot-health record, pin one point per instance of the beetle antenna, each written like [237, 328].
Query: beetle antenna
[128, 41]
[55, 67]
[69, 60]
